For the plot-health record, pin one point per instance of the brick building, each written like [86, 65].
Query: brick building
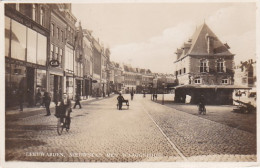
[204, 66]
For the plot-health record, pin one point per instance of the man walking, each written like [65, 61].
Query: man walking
[120, 100]
[77, 99]
[47, 102]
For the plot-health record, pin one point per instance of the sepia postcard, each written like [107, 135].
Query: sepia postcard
[129, 83]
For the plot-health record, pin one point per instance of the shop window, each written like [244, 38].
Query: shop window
[7, 36]
[224, 81]
[41, 79]
[220, 66]
[31, 45]
[203, 66]
[18, 41]
[197, 81]
[41, 49]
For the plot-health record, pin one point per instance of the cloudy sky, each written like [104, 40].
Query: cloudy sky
[146, 35]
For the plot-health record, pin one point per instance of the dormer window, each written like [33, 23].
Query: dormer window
[203, 66]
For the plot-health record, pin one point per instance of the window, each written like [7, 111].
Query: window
[52, 30]
[17, 7]
[52, 52]
[180, 71]
[31, 45]
[220, 66]
[224, 81]
[58, 32]
[33, 12]
[42, 17]
[61, 34]
[7, 36]
[176, 73]
[203, 66]
[61, 55]
[18, 41]
[56, 53]
[184, 70]
[197, 81]
[41, 49]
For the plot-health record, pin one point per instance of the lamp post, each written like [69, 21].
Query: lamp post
[163, 93]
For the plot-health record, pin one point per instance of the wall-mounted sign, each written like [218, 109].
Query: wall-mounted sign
[54, 63]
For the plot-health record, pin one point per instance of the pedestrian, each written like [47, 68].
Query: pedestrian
[21, 99]
[120, 100]
[77, 101]
[132, 95]
[47, 102]
[38, 97]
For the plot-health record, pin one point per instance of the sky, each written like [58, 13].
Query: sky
[146, 35]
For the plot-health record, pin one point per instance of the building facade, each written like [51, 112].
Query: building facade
[57, 53]
[204, 66]
[88, 64]
[26, 51]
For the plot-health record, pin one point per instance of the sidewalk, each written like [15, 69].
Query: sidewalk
[52, 105]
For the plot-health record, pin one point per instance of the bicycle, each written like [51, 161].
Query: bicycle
[202, 109]
[63, 121]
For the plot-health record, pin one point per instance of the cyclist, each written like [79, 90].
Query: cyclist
[66, 106]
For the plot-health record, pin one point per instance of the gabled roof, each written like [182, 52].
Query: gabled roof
[198, 43]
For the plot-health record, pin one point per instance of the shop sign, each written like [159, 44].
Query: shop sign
[54, 63]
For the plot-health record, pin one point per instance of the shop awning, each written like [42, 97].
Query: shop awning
[211, 87]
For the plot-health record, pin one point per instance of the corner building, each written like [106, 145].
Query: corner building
[26, 46]
[204, 66]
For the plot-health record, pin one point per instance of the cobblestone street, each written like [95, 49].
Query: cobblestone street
[147, 131]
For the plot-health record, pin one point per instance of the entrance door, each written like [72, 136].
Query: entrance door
[30, 85]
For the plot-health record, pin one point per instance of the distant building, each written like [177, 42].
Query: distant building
[204, 66]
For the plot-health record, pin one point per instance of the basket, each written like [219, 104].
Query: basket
[59, 112]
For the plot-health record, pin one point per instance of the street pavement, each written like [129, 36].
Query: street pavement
[147, 131]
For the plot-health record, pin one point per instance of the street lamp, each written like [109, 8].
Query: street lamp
[163, 93]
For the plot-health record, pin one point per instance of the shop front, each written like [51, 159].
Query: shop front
[25, 61]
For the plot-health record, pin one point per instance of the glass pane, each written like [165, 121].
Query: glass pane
[41, 50]
[16, 84]
[7, 35]
[31, 45]
[41, 80]
[18, 41]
